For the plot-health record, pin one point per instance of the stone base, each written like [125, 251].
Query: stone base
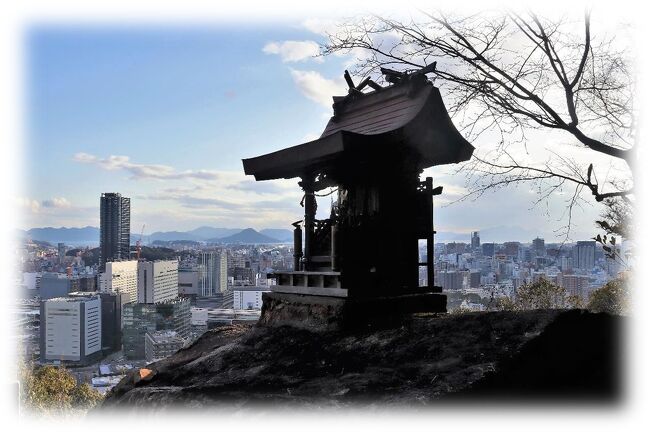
[324, 313]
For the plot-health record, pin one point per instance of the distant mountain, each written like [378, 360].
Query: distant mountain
[246, 236]
[54, 235]
[205, 232]
[172, 236]
[283, 235]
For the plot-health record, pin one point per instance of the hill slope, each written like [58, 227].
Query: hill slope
[534, 354]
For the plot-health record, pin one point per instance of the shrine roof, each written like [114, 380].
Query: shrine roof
[408, 114]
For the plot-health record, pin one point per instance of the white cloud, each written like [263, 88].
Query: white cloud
[143, 171]
[318, 88]
[321, 26]
[294, 51]
[34, 206]
[56, 202]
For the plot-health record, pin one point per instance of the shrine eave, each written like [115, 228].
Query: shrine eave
[386, 122]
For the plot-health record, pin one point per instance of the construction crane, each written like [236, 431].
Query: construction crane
[138, 245]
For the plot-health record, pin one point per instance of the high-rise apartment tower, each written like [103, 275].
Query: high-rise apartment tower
[115, 228]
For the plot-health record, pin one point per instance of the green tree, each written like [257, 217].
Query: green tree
[612, 298]
[54, 390]
[540, 295]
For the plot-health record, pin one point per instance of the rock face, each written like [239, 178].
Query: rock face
[426, 359]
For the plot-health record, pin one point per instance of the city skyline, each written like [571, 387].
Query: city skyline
[173, 125]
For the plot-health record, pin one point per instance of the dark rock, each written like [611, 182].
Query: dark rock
[426, 359]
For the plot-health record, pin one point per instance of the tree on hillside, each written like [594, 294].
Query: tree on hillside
[539, 295]
[54, 389]
[510, 73]
[612, 298]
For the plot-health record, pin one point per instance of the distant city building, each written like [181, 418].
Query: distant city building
[211, 269]
[223, 271]
[488, 249]
[112, 321]
[87, 283]
[114, 228]
[189, 282]
[56, 285]
[71, 330]
[577, 285]
[157, 281]
[208, 318]
[121, 277]
[456, 247]
[539, 250]
[566, 263]
[584, 255]
[207, 274]
[474, 279]
[476, 241]
[61, 251]
[161, 344]
[511, 249]
[452, 280]
[141, 318]
[248, 297]
[111, 318]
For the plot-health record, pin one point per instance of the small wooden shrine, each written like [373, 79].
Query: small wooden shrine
[373, 150]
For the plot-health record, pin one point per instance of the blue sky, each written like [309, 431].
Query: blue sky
[164, 115]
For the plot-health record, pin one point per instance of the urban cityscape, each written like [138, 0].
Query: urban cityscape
[100, 319]
[320, 214]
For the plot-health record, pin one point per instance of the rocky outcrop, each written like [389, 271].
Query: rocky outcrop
[426, 359]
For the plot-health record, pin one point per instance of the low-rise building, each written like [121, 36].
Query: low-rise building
[248, 297]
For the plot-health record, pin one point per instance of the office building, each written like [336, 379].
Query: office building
[511, 249]
[210, 273]
[584, 255]
[111, 317]
[223, 271]
[539, 250]
[112, 321]
[248, 297]
[120, 277]
[138, 319]
[114, 228]
[577, 285]
[61, 252]
[189, 282]
[71, 330]
[475, 279]
[488, 249]
[476, 241]
[452, 280]
[161, 344]
[157, 281]
[56, 285]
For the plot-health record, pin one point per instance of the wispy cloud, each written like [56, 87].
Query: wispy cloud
[322, 27]
[316, 87]
[294, 51]
[143, 171]
[56, 202]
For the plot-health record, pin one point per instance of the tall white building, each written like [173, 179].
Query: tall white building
[71, 329]
[214, 272]
[157, 281]
[223, 271]
[121, 277]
